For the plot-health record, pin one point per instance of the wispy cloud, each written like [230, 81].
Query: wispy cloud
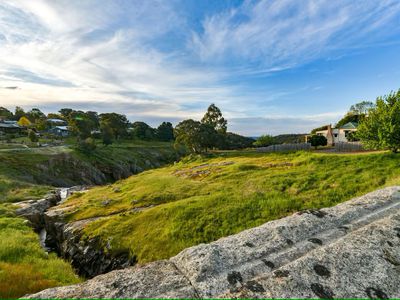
[147, 60]
[275, 35]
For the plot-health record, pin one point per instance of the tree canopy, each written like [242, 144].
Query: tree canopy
[213, 117]
[165, 132]
[381, 128]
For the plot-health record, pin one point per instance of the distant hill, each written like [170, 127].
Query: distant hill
[290, 138]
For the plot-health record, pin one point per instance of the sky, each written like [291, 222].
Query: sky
[271, 66]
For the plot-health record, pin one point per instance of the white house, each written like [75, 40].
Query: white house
[337, 135]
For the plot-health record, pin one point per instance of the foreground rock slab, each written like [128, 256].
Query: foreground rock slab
[351, 250]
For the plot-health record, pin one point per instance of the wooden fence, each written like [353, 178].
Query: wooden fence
[286, 148]
[348, 147]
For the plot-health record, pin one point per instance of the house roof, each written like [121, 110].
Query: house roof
[56, 121]
[9, 125]
[350, 125]
[63, 128]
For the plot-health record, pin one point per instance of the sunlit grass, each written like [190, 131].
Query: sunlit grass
[202, 199]
[24, 266]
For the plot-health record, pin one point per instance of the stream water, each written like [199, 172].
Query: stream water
[64, 193]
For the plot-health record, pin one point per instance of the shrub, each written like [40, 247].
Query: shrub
[318, 140]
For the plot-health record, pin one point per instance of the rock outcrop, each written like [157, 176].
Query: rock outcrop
[351, 250]
[86, 255]
[33, 210]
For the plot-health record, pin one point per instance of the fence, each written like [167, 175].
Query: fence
[286, 148]
[348, 147]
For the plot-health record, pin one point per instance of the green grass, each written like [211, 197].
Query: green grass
[32, 173]
[24, 266]
[192, 205]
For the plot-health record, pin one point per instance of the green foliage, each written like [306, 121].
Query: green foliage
[352, 136]
[142, 131]
[202, 199]
[25, 267]
[349, 117]
[264, 141]
[5, 113]
[107, 134]
[289, 138]
[35, 114]
[213, 117]
[318, 140]
[381, 128]
[19, 113]
[188, 133]
[165, 132]
[32, 136]
[87, 145]
[118, 124]
[232, 141]
[325, 127]
[361, 108]
[80, 124]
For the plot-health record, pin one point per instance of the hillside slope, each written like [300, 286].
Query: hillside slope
[347, 251]
[30, 173]
[158, 213]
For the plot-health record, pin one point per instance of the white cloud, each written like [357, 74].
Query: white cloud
[108, 53]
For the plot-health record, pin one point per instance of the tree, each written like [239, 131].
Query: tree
[117, 123]
[32, 136]
[213, 117]
[381, 128]
[94, 117]
[264, 141]
[325, 127]
[55, 116]
[35, 114]
[5, 113]
[361, 108]
[165, 132]
[143, 131]
[81, 125]
[349, 117]
[24, 122]
[65, 112]
[19, 113]
[107, 134]
[187, 133]
[318, 140]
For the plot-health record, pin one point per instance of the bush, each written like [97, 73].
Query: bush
[88, 145]
[318, 140]
[264, 141]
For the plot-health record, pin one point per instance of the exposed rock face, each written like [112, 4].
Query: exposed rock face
[33, 210]
[351, 250]
[86, 256]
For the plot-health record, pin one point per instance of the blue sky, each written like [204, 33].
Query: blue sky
[272, 66]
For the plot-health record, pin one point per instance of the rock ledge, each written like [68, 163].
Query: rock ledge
[351, 250]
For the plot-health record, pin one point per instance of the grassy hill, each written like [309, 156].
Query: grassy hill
[159, 212]
[30, 174]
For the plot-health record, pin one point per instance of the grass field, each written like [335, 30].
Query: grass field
[158, 213]
[24, 266]
[27, 174]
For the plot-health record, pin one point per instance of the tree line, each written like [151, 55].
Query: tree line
[195, 136]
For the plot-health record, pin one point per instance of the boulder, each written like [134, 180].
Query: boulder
[351, 250]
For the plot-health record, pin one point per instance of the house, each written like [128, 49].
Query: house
[62, 131]
[10, 127]
[337, 135]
